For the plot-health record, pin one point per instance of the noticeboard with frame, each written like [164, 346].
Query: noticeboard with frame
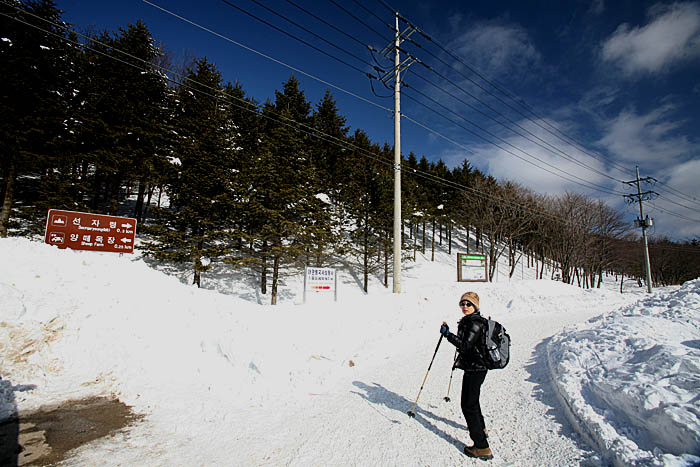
[471, 267]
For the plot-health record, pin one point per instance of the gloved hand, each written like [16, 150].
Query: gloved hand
[444, 329]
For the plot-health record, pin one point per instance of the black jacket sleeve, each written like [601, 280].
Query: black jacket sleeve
[466, 336]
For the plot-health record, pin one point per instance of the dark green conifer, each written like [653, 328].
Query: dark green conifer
[200, 184]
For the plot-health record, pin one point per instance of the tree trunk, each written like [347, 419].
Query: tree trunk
[415, 242]
[542, 267]
[138, 209]
[263, 272]
[365, 258]
[492, 256]
[449, 238]
[114, 195]
[432, 243]
[512, 261]
[151, 188]
[197, 273]
[275, 278]
[197, 259]
[386, 259]
[7, 201]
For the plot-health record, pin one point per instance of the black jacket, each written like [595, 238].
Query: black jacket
[470, 335]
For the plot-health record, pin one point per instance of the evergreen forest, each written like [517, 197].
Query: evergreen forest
[101, 122]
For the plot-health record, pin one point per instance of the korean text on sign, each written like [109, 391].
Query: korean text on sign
[85, 231]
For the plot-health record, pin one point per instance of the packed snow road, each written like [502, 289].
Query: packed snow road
[365, 422]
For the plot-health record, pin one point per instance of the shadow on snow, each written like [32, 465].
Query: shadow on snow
[379, 395]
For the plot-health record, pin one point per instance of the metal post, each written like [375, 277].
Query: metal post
[644, 233]
[306, 268]
[397, 164]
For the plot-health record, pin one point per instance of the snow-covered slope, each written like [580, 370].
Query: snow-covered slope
[223, 380]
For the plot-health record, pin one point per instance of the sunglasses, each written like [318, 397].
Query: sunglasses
[465, 303]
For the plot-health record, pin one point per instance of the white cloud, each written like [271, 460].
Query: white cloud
[549, 173]
[680, 194]
[647, 138]
[495, 48]
[672, 36]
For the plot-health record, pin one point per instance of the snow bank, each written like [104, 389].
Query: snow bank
[631, 379]
[83, 322]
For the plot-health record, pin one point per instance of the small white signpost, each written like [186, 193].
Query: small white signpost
[320, 282]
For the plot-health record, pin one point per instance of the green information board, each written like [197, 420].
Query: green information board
[471, 268]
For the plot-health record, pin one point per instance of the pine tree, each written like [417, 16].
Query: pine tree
[122, 130]
[363, 196]
[332, 165]
[34, 64]
[243, 127]
[201, 185]
[284, 191]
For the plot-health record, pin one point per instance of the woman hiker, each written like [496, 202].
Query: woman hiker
[470, 336]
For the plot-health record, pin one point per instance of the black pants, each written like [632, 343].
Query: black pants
[471, 389]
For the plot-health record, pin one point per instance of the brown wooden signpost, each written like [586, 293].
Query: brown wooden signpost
[95, 232]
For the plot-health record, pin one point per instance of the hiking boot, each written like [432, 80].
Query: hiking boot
[480, 453]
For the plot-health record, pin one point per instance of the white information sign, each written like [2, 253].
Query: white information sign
[471, 267]
[320, 281]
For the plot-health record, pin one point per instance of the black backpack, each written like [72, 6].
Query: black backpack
[496, 345]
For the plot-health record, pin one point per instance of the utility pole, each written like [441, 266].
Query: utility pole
[395, 73]
[643, 222]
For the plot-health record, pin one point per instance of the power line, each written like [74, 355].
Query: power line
[553, 149]
[312, 131]
[372, 13]
[558, 151]
[569, 139]
[411, 119]
[349, 36]
[279, 62]
[590, 185]
[585, 184]
[384, 39]
[217, 93]
[521, 103]
[679, 204]
[674, 214]
[679, 194]
[299, 39]
[553, 130]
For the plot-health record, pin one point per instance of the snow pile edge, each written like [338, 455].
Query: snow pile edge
[607, 372]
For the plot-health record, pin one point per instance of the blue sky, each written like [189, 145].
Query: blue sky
[592, 88]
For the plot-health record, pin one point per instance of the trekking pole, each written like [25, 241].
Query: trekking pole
[411, 413]
[447, 397]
